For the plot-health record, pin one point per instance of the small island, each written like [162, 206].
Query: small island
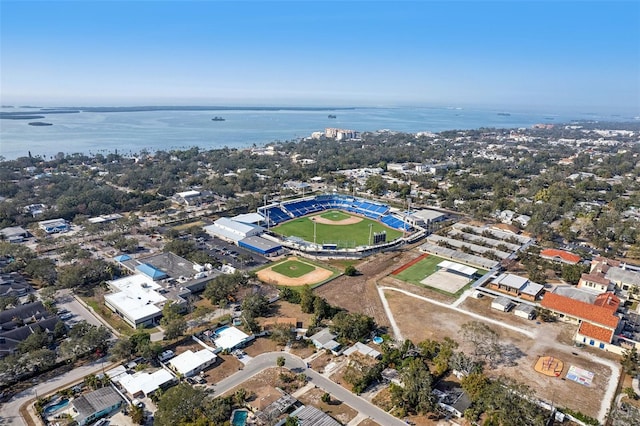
[217, 119]
[40, 123]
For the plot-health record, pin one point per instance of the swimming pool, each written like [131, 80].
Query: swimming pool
[377, 340]
[57, 406]
[239, 417]
[221, 329]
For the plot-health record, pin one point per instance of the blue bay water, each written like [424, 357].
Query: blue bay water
[131, 132]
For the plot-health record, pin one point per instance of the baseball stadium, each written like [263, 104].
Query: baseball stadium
[338, 225]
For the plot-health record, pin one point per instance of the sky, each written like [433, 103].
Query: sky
[581, 55]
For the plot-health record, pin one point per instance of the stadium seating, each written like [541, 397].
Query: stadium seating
[394, 222]
[298, 208]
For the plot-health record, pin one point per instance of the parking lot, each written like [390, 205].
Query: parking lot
[231, 254]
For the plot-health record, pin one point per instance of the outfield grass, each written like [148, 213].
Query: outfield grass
[420, 270]
[335, 215]
[293, 268]
[345, 236]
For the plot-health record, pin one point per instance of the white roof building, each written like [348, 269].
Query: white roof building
[230, 338]
[230, 230]
[457, 267]
[190, 363]
[363, 350]
[143, 382]
[138, 302]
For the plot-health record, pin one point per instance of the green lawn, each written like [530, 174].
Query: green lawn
[335, 215]
[293, 268]
[420, 270]
[345, 236]
[427, 266]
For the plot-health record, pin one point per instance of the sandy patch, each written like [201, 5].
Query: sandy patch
[268, 275]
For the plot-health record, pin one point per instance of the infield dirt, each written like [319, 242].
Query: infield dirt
[319, 274]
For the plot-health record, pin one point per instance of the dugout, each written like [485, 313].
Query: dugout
[260, 245]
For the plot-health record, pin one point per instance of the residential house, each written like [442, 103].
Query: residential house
[362, 349]
[311, 416]
[54, 226]
[14, 234]
[325, 339]
[190, 363]
[94, 405]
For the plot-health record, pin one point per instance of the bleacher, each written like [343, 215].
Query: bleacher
[394, 222]
[298, 208]
[303, 208]
[275, 214]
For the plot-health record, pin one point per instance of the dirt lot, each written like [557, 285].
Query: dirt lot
[284, 309]
[303, 349]
[413, 316]
[368, 422]
[225, 366]
[262, 345]
[359, 294]
[335, 408]
[321, 362]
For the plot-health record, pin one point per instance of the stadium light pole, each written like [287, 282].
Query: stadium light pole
[265, 209]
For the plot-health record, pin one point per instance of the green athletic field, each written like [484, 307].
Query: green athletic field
[345, 236]
[416, 273]
[293, 268]
[427, 266]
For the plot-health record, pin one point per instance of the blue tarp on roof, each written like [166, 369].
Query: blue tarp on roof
[122, 258]
[151, 271]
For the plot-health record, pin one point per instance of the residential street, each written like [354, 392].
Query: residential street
[267, 360]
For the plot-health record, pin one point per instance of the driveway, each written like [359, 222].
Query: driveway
[296, 364]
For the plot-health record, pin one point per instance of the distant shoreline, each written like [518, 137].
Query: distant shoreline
[62, 110]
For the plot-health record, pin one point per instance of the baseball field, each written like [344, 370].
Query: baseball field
[335, 227]
[295, 271]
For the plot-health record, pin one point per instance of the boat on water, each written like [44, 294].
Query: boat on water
[332, 116]
[217, 119]
[504, 114]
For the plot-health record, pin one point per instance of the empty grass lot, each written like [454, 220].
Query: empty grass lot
[293, 268]
[344, 236]
[420, 270]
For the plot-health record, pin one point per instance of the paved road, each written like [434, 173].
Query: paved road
[9, 411]
[292, 362]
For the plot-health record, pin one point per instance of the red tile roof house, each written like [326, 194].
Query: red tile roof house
[595, 282]
[597, 322]
[561, 256]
